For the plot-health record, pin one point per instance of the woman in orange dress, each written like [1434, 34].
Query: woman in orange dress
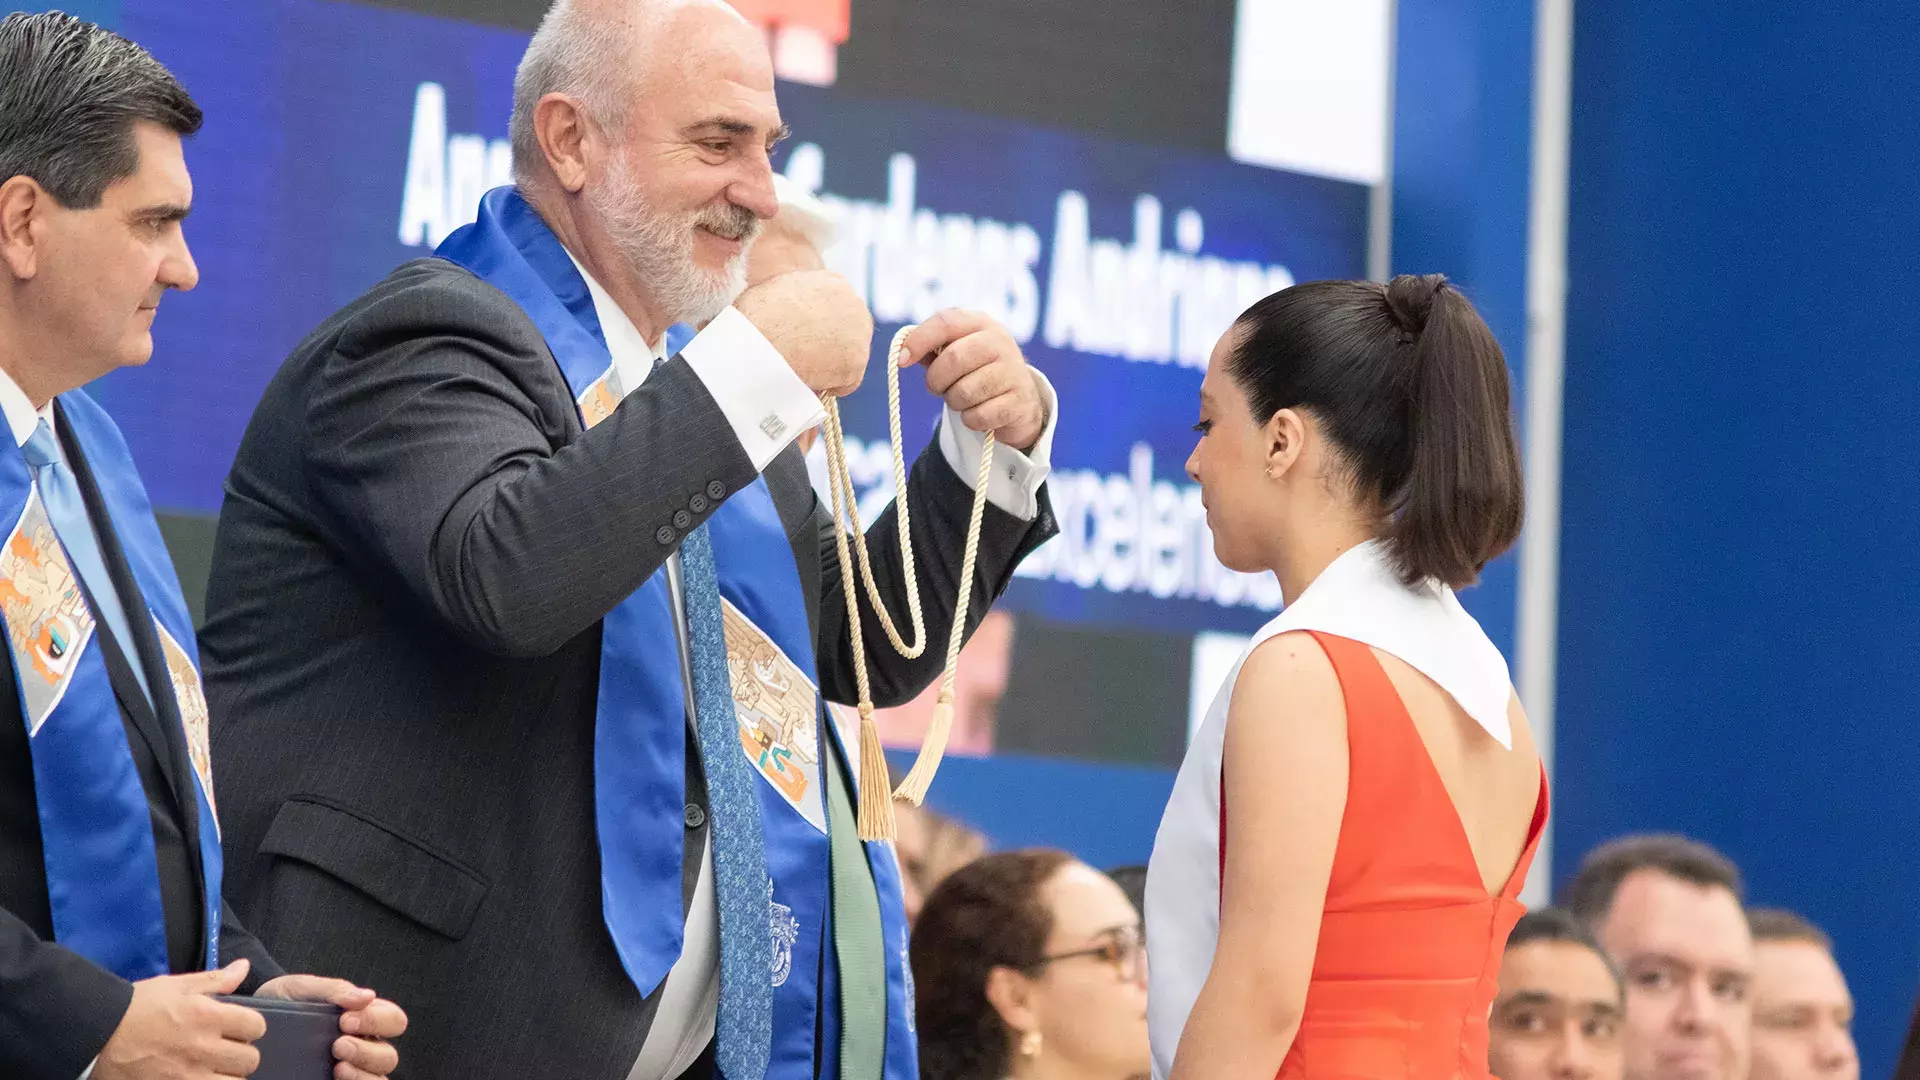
[1339, 865]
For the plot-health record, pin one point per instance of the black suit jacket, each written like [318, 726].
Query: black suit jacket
[57, 1009]
[418, 545]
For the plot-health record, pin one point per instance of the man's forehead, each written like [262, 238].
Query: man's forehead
[697, 103]
[1566, 971]
[1654, 912]
[705, 47]
[1665, 946]
[1548, 997]
[1797, 971]
[160, 175]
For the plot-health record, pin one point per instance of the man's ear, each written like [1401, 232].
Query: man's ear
[560, 126]
[23, 210]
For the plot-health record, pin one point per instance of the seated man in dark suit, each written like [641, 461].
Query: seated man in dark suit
[518, 625]
[112, 927]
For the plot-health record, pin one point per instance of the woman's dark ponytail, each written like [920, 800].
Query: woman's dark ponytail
[1463, 499]
[1412, 387]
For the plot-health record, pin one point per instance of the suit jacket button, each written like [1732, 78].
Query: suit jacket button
[697, 504]
[664, 535]
[682, 519]
[716, 489]
[695, 817]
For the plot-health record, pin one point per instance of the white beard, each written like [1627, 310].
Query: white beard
[659, 248]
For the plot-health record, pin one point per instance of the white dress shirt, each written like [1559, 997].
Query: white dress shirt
[759, 394]
[22, 417]
[1360, 596]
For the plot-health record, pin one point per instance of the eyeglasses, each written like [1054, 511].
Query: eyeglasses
[1123, 950]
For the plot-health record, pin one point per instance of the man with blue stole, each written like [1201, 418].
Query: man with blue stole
[519, 623]
[112, 926]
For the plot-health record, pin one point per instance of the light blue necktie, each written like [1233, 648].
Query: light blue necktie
[60, 493]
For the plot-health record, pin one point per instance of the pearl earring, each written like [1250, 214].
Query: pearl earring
[1030, 1044]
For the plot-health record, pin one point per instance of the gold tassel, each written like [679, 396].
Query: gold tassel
[914, 787]
[920, 778]
[876, 801]
[876, 808]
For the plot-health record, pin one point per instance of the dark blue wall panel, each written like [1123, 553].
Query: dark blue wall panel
[1742, 506]
[1462, 131]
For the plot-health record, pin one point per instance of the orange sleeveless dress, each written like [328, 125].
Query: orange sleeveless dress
[1410, 940]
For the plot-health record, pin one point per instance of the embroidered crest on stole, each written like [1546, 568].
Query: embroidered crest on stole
[48, 623]
[776, 702]
[600, 399]
[785, 930]
[193, 712]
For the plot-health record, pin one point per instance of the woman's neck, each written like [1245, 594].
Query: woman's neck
[1312, 549]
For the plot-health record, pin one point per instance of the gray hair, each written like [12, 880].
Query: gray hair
[584, 48]
[70, 94]
[803, 212]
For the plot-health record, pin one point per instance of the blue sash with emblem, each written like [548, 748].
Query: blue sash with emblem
[103, 876]
[640, 733]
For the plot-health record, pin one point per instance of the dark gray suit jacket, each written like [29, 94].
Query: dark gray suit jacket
[402, 649]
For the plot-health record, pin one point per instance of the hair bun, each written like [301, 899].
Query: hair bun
[1410, 300]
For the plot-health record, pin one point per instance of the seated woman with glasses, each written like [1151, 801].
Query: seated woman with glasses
[1029, 964]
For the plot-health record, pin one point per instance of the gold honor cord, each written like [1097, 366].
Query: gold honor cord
[876, 806]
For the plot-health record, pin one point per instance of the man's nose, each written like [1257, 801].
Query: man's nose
[1833, 1047]
[1572, 1058]
[753, 191]
[178, 270]
[1697, 1009]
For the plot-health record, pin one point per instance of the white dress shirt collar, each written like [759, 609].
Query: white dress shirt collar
[1360, 596]
[633, 355]
[22, 417]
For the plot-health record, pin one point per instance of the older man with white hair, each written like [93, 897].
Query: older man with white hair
[516, 618]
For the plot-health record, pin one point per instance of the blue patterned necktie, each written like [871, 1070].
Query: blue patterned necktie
[60, 494]
[743, 1032]
[745, 1027]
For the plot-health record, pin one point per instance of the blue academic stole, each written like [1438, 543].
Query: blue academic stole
[640, 727]
[103, 876]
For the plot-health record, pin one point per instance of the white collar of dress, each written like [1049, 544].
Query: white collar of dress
[1361, 597]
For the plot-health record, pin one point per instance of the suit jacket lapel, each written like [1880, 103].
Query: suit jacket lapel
[159, 721]
[132, 702]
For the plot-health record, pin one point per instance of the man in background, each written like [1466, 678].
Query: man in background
[1669, 912]
[1802, 1010]
[794, 238]
[931, 846]
[110, 858]
[1560, 1010]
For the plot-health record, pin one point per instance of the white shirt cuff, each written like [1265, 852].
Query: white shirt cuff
[89, 1072]
[764, 401]
[1014, 483]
